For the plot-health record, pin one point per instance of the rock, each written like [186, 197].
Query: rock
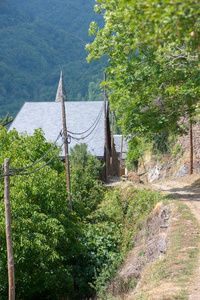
[133, 177]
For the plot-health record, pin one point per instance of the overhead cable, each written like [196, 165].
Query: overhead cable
[96, 120]
[87, 141]
[27, 167]
[94, 127]
[34, 171]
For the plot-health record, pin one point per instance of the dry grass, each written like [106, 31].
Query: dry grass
[169, 277]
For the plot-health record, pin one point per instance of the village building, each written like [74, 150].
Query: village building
[85, 124]
[121, 147]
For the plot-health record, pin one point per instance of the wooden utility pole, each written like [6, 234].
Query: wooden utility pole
[112, 146]
[11, 271]
[105, 132]
[191, 148]
[122, 141]
[66, 153]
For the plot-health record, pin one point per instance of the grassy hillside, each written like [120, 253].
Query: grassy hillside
[37, 41]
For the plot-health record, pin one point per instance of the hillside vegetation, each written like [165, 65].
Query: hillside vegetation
[58, 253]
[38, 39]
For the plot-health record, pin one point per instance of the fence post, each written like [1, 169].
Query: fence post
[11, 272]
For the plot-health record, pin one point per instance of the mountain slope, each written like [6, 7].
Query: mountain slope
[73, 16]
[33, 51]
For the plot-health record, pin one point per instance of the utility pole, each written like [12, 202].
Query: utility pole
[105, 132]
[60, 97]
[191, 148]
[66, 153]
[122, 141]
[112, 146]
[11, 271]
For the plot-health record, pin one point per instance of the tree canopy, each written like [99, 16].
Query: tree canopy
[153, 51]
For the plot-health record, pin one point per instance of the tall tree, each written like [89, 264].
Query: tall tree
[153, 50]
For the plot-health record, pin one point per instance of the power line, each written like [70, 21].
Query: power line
[80, 133]
[87, 141]
[34, 171]
[93, 127]
[27, 167]
[4, 125]
[94, 124]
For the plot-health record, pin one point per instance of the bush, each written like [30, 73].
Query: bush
[85, 171]
[45, 233]
[126, 209]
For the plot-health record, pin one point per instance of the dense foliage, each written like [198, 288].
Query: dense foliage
[58, 253]
[42, 226]
[38, 39]
[153, 50]
[85, 172]
[124, 210]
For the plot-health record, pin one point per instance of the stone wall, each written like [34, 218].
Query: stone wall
[184, 141]
[176, 167]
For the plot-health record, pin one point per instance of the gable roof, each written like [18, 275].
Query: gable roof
[80, 116]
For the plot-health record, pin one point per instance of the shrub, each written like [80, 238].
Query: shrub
[85, 171]
[45, 233]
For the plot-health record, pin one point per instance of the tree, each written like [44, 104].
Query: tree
[154, 70]
[6, 120]
[94, 91]
[45, 233]
[85, 172]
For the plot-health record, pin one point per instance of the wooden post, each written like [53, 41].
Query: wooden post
[11, 272]
[121, 151]
[105, 132]
[191, 148]
[66, 153]
[112, 146]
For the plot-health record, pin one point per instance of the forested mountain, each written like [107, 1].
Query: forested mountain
[72, 16]
[38, 39]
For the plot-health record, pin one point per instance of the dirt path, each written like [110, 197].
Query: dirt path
[186, 189]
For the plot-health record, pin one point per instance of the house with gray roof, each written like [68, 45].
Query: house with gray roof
[85, 122]
[121, 146]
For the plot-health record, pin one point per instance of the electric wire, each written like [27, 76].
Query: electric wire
[80, 133]
[34, 171]
[93, 127]
[83, 138]
[87, 141]
[27, 167]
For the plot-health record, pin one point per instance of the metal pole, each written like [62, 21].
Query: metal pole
[11, 271]
[66, 153]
